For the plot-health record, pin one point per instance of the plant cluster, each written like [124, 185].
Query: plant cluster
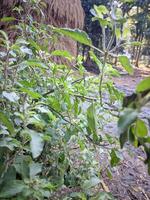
[52, 116]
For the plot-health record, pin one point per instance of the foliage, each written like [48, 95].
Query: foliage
[52, 117]
[131, 127]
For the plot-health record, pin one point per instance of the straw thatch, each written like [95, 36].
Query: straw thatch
[69, 14]
[65, 13]
[59, 13]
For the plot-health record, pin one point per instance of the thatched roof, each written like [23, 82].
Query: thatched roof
[6, 7]
[65, 13]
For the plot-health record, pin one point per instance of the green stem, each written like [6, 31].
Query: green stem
[101, 78]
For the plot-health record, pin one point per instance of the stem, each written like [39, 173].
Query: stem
[104, 39]
[95, 48]
[6, 70]
[101, 79]
[112, 38]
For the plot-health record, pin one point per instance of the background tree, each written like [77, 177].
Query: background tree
[138, 12]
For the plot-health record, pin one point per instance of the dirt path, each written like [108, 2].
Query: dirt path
[128, 83]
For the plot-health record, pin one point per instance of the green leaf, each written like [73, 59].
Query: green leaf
[36, 143]
[124, 122]
[101, 9]
[9, 143]
[123, 138]
[126, 119]
[95, 59]
[21, 165]
[21, 41]
[4, 35]
[34, 95]
[35, 63]
[12, 188]
[35, 168]
[124, 60]
[91, 183]
[75, 34]
[118, 33]
[78, 195]
[9, 175]
[143, 85]
[62, 53]
[6, 122]
[26, 50]
[34, 44]
[114, 158]
[103, 196]
[92, 123]
[7, 19]
[146, 140]
[136, 44]
[141, 129]
[131, 135]
[11, 96]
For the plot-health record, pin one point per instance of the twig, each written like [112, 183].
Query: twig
[53, 90]
[58, 113]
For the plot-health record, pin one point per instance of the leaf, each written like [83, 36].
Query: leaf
[6, 122]
[146, 140]
[62, 53]
[91, 183]
[26, 50]
[103, 196]
[114, 158]
[35, 168]
[4, 35]
[11, 96]
[34, 95]
[126, 119]
[21, 41]
[12, 188]
[104, 22]
[7, 19]
[75, 34]
[35, 63]
[9, 175]
[131, 135]
[22, 166]
[9, 143]
[101, 9]
[123, 138]
[118, 33]
[96, 60]
[141, 128]
[136, 44]
[34, 44]
[78, 195]
[36, 143]
[126, 31]
[124, 60]
[92, 124]
[143, 85]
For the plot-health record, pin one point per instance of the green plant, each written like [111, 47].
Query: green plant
[51, 116]
[131, 127]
